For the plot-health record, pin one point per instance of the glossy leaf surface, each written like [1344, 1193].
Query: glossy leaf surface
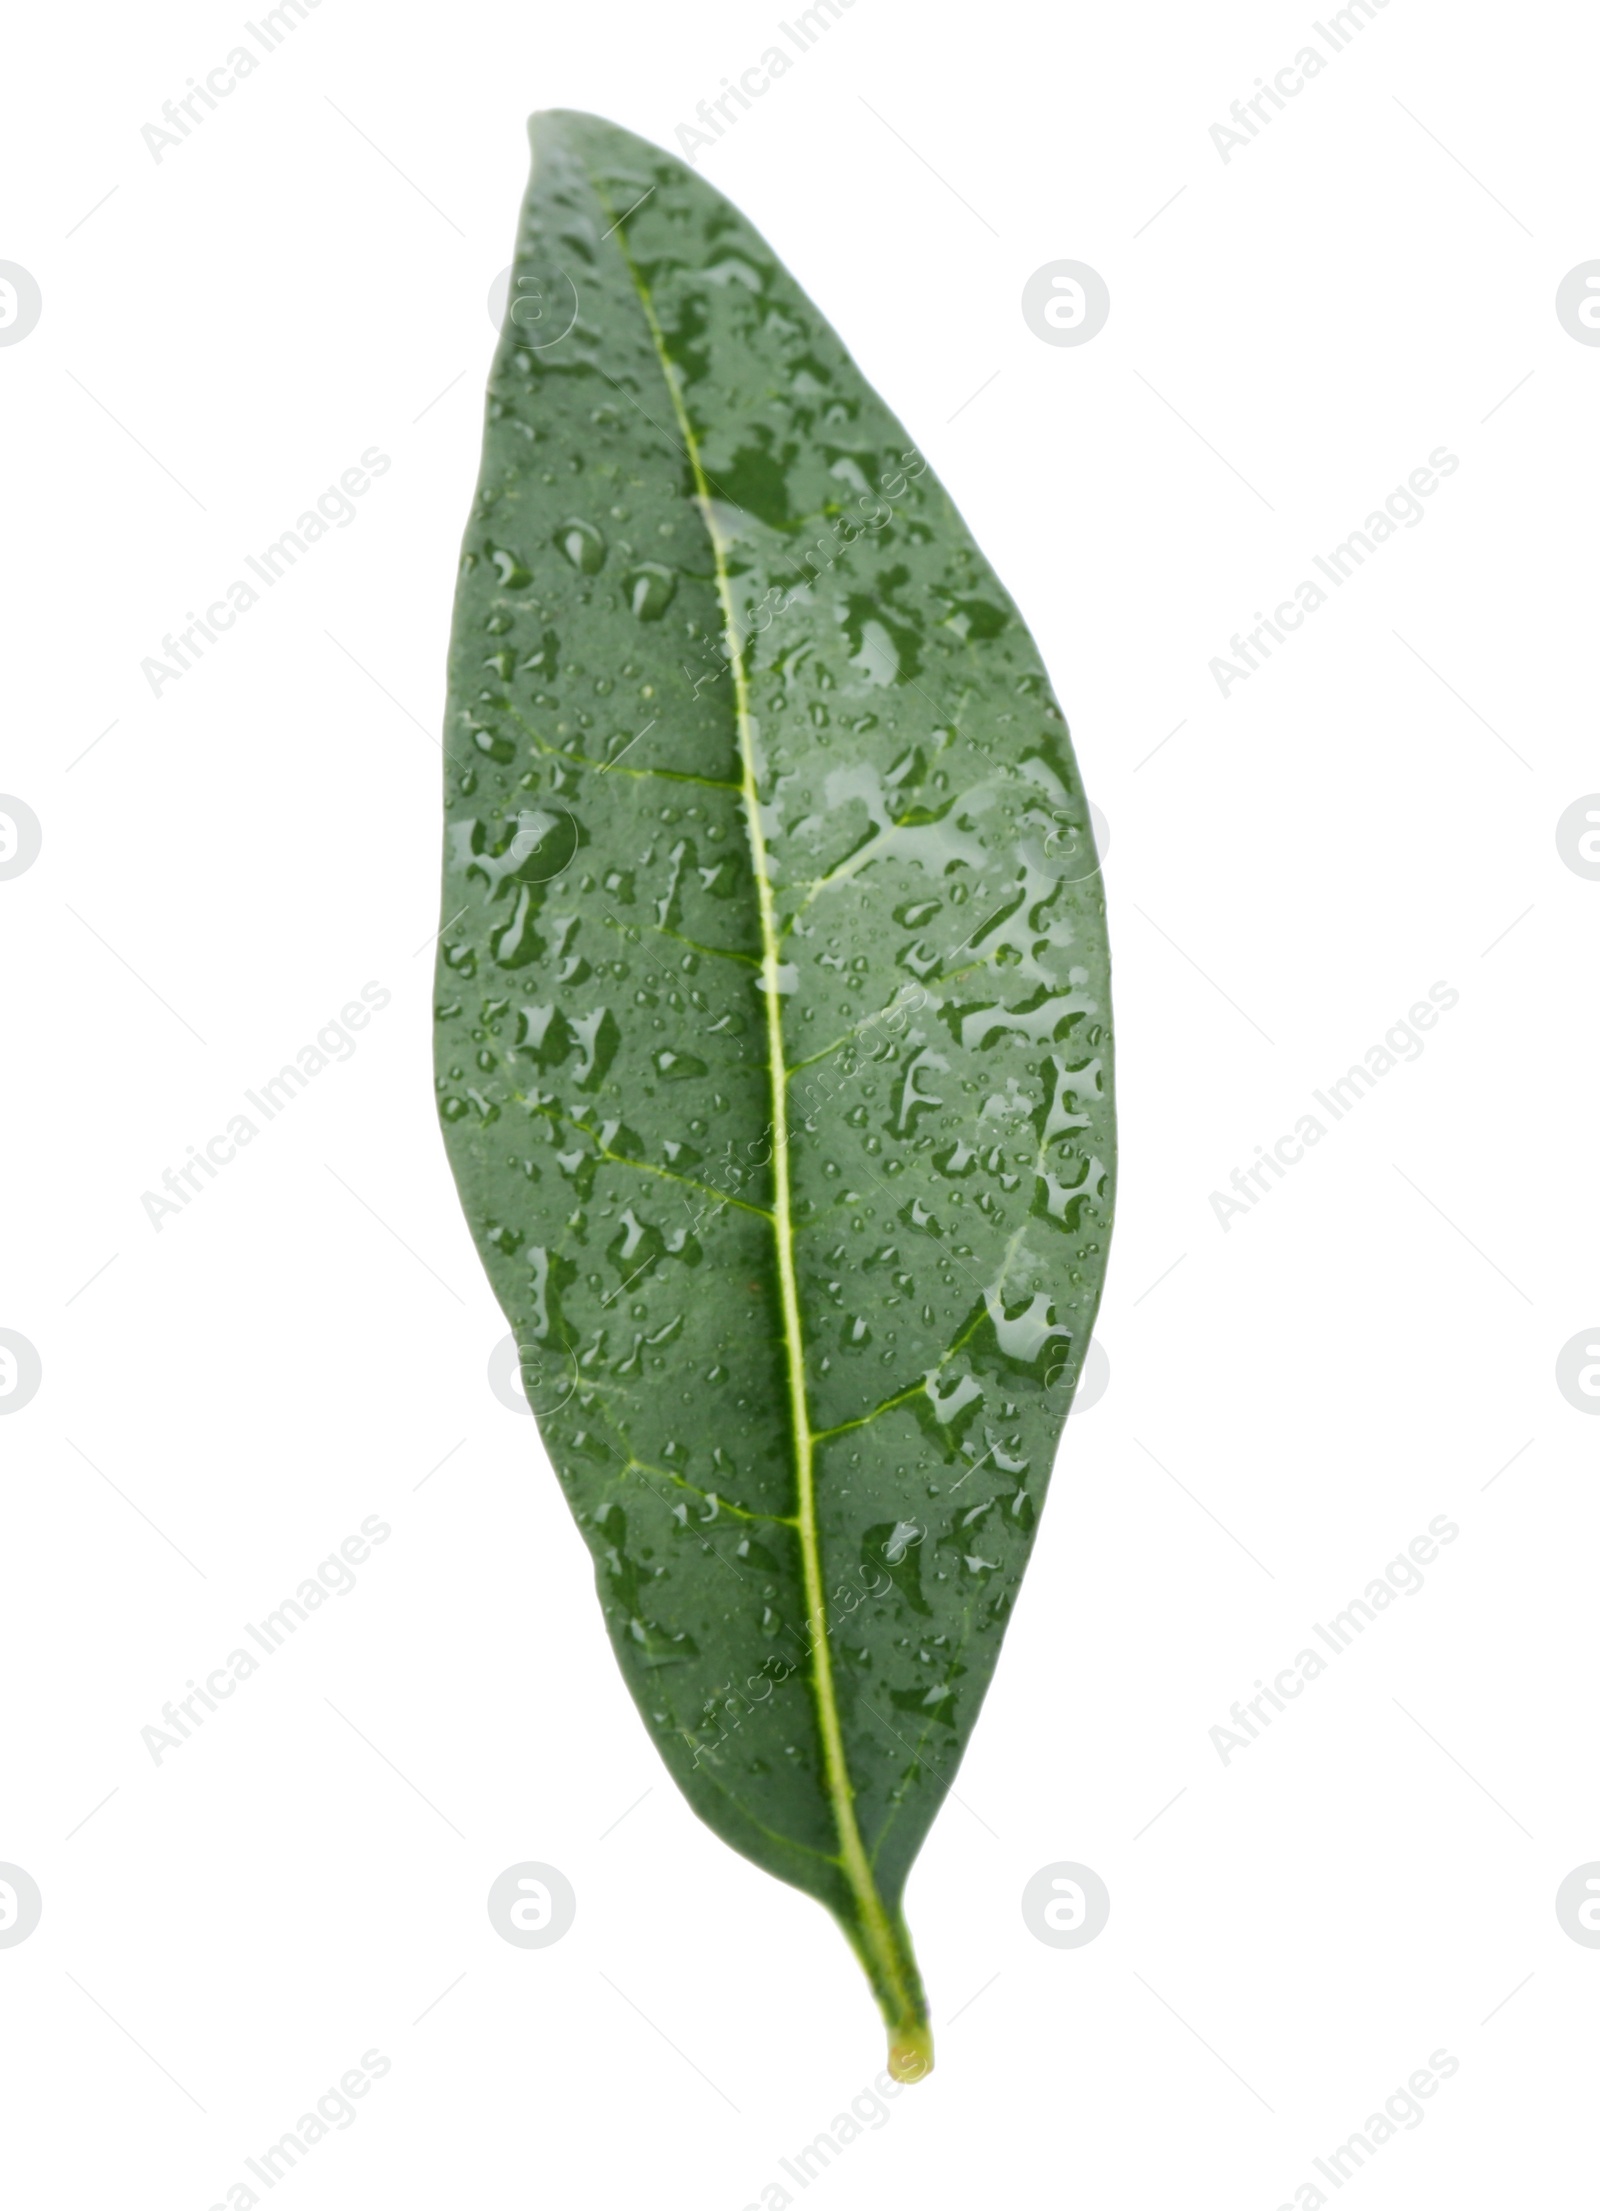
[773, 1040]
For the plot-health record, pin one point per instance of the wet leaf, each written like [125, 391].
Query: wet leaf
[773, 1029]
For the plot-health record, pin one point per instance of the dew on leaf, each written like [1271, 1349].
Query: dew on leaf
[583, 545]
[650, 589]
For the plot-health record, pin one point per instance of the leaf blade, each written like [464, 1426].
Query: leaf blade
[756, 413]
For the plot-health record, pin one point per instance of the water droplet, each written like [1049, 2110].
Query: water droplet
[650, 589]
[513, 576]
[582, 543]
[679, 1066]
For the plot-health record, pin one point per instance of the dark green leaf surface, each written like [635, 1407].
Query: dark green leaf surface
[774, 1052]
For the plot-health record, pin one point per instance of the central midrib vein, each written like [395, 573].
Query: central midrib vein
[876, 1929]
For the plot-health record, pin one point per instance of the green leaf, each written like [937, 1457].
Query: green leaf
[773, 1025]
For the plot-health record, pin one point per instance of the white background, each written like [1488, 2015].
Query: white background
[1290, 1402]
